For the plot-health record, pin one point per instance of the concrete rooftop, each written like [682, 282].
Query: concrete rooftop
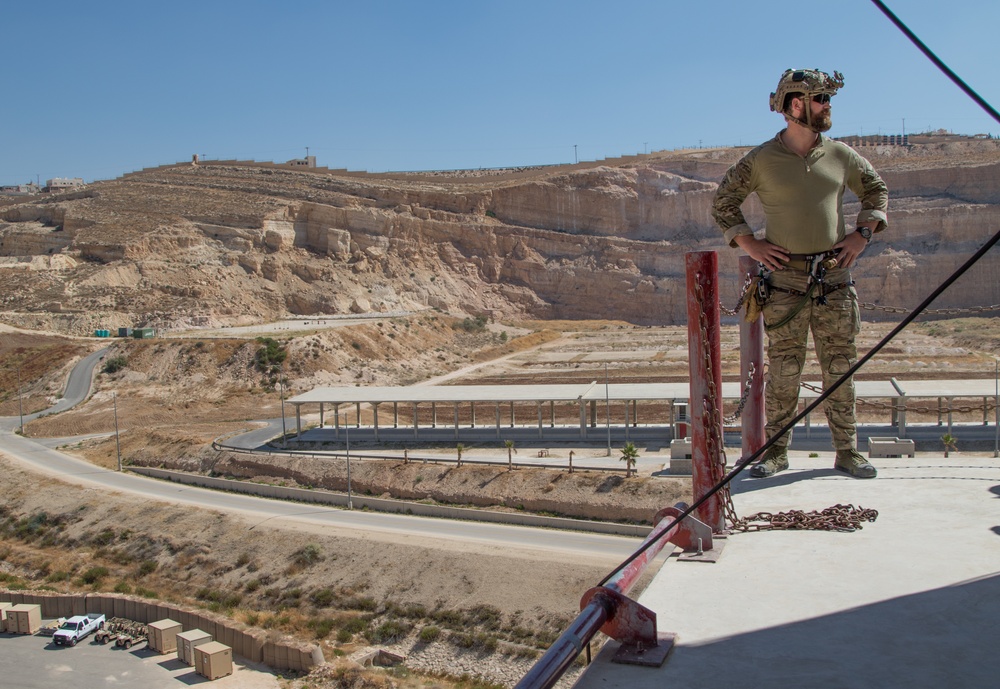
[912, 600]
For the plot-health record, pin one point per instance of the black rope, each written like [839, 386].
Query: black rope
[743, 463]
[934, 58]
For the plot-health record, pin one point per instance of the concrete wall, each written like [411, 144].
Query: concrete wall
[396, 506]
[255, 645]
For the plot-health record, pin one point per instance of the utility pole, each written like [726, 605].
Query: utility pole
[576, 159]
[607, 405]
[20, 404]
[281, 384]
[347, 430]
[645, 147]
[118, 446]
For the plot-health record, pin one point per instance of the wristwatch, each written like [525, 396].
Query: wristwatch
[866, 233]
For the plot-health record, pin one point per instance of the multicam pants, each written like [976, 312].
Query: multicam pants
[834, 327]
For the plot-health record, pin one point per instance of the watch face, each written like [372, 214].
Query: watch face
[865, 232]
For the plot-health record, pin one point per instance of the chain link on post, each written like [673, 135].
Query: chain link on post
[868, 306]
[986, 407]
[711, 419]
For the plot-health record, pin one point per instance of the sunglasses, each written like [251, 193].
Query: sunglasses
[821, 98]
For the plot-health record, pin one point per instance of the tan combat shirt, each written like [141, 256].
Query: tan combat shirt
[803, 198]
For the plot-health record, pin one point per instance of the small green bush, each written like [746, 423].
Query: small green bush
[308, 555]
[115, 364]
[430, 633]
[94, 575]
[388, 632]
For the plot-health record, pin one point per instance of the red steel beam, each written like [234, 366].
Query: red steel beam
[705, 361]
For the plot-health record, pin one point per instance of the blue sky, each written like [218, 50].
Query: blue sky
[101, 88]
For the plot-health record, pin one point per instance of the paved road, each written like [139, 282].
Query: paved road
[36, 456]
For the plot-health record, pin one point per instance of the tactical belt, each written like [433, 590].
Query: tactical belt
[806, 262]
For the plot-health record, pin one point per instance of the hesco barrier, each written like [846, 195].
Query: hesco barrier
[394, 506]
[255, 645]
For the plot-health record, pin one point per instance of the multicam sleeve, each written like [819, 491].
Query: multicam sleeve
[872, 192]
[732, 192]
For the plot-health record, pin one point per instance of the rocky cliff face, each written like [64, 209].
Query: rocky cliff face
[232, 244]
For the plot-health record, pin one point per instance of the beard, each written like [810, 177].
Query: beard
[822, 121]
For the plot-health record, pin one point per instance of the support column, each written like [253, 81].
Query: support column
[593, 413]
[416, 422]
[395, 414]
[704, 355]
[539, 419]
[498, 420]
[552, 414]
[434, 415]
[627, 423]
[583, 419]
[512, 413]
[298, 421]
[472, 408]
[752, 354]
[357, 414]
[375, 418]
[456, 420]
[336, 421]
[321, 415]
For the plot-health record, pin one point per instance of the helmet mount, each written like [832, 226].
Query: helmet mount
[804, 83]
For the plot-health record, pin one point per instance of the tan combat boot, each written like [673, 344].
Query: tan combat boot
[854, 463]
[775, 460]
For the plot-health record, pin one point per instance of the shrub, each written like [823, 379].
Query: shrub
[355, 625]
[322, 627]
[472, 325]
[388, 632]
[429, 633]
[115, 364]
[147, 567]
[308, 555]
[269, 357]
[324, 598]
[94, 575]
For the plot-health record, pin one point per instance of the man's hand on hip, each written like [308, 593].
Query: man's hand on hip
[771, 255]
[850, 248]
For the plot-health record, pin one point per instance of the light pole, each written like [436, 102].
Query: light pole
[576, 158]
[347, 431]
[284, 437]
[996, 403]
[607, 404]
[20, 404]
[118, 447]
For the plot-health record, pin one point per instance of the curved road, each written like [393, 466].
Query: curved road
[35, 456]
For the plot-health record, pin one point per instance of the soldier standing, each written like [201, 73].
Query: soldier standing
[805, 256]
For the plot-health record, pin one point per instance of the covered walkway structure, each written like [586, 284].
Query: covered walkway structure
[588, 412]
[502, 411]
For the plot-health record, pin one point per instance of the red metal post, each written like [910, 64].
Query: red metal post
[752, 354]
[705, 361]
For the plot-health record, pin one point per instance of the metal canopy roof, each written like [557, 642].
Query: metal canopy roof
[597, 391]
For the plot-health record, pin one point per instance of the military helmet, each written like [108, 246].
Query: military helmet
[809, 82]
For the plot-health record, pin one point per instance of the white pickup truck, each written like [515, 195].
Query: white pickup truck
[75, 628]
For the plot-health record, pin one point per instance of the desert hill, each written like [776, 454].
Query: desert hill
[217, 244]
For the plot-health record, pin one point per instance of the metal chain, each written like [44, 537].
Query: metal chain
[837, 518]
[710, 417]
[868, 306]
[966, 409]
[730, 420]
[844, 518]
[743, 295]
